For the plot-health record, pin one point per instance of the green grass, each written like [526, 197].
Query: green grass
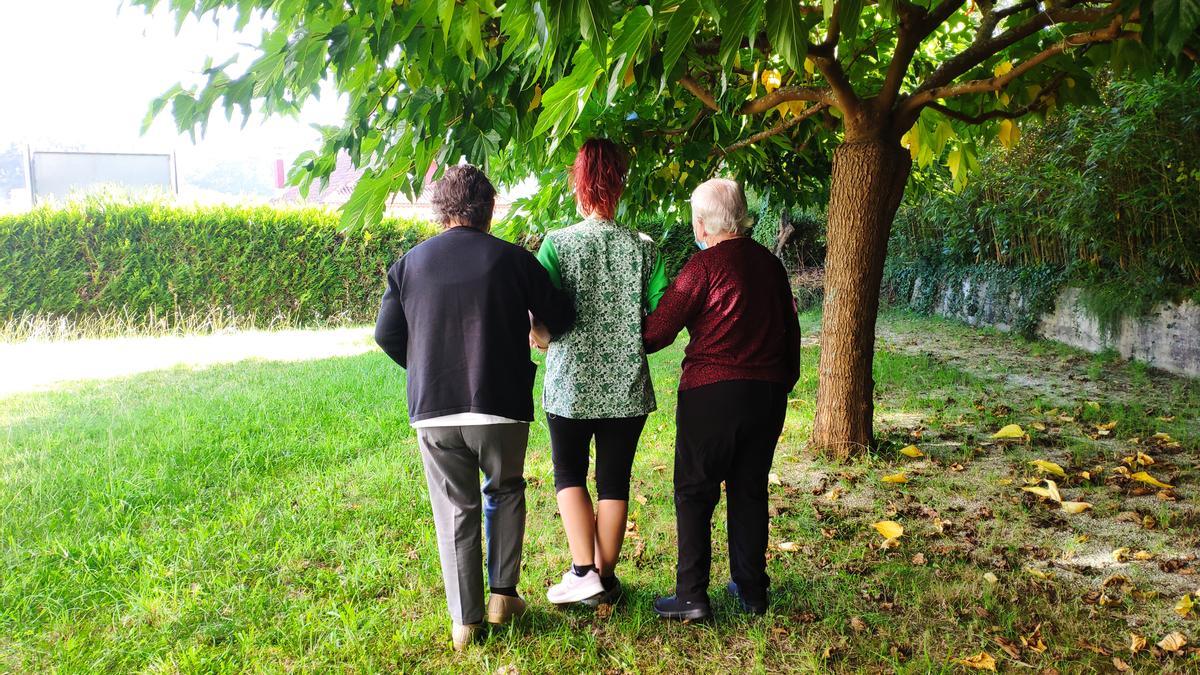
[273, 517]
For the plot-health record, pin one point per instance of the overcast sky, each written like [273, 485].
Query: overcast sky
[82, 73]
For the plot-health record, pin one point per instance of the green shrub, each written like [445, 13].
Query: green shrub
[105, 256]
[1109, 196]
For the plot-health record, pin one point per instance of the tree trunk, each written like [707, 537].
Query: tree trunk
[868, 181]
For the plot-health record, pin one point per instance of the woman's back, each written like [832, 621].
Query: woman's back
[598, 368]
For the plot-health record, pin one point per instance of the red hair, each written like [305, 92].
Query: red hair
[598, 176]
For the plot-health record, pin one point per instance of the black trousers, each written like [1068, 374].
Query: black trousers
[616, 444]
[725, 432]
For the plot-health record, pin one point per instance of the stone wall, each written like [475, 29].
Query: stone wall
[1167, 338]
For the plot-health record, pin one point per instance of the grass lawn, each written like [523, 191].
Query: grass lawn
[267, 516]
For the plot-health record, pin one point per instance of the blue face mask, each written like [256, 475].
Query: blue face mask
[701, 245]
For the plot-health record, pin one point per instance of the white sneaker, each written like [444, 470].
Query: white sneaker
[574, 588]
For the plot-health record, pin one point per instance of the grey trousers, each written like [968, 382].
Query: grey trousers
[454, 457]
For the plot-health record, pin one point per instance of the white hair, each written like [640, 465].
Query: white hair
[720, 205]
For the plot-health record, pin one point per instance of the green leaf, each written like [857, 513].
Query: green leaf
[680, 29]
[631, 40]
[740, 18]
[1175, 21]
[849, 16]
[787, 31]
[564, 101]
[593, 26]
[446, 17]
[827, 7]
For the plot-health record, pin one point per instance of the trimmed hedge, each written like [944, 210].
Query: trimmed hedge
[103, 256]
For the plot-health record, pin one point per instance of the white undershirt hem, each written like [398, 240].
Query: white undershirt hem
[467, 419]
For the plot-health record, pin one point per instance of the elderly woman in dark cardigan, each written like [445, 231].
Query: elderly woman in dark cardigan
[743, 359]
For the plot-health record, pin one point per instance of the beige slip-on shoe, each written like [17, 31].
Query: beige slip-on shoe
[463, 635]
[501, 608]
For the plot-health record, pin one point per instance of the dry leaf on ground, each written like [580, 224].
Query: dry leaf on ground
[896, 478]
[912, 451]
[788, 546]
[1136, 643]
[980, 661]
[1173, 642]
[889, 529]
[1146, 478]
[1049, 467]
[1184, 606]
[1049, 492]
[1076, 507]
[1011, 431]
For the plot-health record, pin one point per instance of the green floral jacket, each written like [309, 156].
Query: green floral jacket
[598, 368]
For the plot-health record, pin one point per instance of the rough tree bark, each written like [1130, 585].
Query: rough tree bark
[869, 175]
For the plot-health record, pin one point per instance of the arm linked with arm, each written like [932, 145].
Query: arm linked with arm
[391, 328]
[679, 303]
[658, 282]
[548, 303]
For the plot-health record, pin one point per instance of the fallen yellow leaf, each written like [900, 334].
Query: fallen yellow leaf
[896, 478]
[980, 661]
[1121, 554]
[911, 451]
[1146, 478]
[1143, 555]
[1039, 426]
[1076, 507]
[1173, 642]
[1184, 606]
[889, 529]
[1136, 643]
[1107, 427]
[1010, 431]
[990, 577]
[1049, 467]
[1050, 492]
[788, 546]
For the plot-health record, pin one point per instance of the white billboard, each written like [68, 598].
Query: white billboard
[59, 174]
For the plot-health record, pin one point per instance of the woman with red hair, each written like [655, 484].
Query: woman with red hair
[597, 381]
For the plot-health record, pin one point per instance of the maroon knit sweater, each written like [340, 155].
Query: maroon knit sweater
[736, 303]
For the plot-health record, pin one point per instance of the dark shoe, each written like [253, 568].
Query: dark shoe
[610, 596]
[757, 608]
[672, 607]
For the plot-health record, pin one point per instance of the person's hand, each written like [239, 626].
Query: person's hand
[539, 337]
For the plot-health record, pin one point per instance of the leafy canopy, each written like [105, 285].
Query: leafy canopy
[758, 89]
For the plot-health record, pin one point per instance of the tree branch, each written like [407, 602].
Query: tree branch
[699, 92]
[1048, 90]
[985, 45]
[775, 130]
[925, 96]
[783, 95]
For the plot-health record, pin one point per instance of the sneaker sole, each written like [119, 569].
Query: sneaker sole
[605, 598]
[579, 597]
[688, 615]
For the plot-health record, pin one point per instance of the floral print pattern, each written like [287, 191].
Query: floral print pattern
[598, 368]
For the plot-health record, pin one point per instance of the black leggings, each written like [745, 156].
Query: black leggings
[616, 442]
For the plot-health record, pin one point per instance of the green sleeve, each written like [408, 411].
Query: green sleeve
[658, 282]
[548, 256]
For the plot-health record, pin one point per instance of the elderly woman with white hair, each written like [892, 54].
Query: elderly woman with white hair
[742, 361]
